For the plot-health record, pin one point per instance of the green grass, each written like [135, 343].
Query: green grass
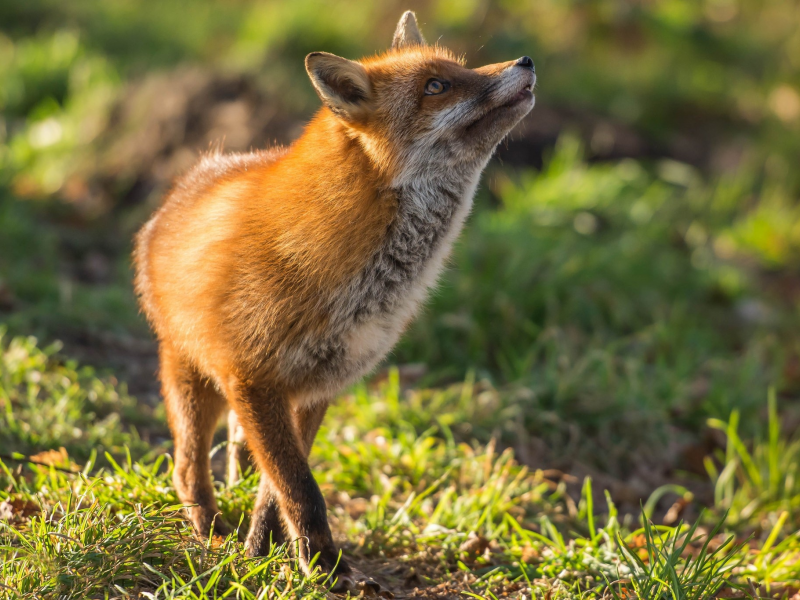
[759, 484]
[411, 502]
[668, 569]
[47, 404]
[43, 288]
[94, 548]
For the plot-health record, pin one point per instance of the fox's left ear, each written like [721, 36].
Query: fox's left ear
[343, 85]
[407, 32]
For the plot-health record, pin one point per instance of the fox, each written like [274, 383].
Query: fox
[274, 279]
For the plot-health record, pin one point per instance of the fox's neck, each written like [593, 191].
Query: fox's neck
[328, 145]
[428, 208]
[429, 217]
[331, 154]
[369, 306]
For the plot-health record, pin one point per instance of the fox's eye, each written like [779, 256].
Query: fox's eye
[436, 86]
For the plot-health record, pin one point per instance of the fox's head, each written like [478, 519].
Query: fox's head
[417, 109]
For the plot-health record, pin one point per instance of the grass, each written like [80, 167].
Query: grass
[667, 569]
[415, 505]
[91, 549]
[45, 288]
[760, 483]
[47, 404]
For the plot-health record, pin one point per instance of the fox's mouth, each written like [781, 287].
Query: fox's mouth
[525, 93]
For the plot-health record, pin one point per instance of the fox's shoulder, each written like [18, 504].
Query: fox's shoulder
[201, 207]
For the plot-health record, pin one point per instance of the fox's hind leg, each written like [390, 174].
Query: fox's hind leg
[193, 408]
[236, 450]
[307, 420]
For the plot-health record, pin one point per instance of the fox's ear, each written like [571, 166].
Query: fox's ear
[343, 85]
[407, 32]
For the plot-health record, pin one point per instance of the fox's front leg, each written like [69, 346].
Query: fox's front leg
[280, 442]
[307, 420]
[288, 486]
[267, 523]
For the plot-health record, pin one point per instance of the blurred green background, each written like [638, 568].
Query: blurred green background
[632, 267]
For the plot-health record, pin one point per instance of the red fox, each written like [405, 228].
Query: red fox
[273, 279]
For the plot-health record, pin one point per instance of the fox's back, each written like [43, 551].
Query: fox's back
[182, 250]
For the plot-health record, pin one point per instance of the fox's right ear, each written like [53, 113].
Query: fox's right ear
[407, 32]
[342, 85]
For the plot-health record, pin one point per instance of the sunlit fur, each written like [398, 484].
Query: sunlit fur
[275, 278]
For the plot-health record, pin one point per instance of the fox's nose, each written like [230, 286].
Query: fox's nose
[526, 62]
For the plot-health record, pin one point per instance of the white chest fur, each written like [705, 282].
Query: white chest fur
[376, 306]
[370, 341]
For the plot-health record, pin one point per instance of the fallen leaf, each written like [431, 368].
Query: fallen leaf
[54, 458]
[475, 545]
[675, 511]
[530, 555]
[18, 509]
